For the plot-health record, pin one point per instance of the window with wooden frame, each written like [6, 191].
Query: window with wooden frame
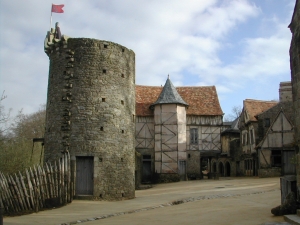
[194, 136]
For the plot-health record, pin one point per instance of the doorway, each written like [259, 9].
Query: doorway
[84, 175]
[182, 170]
[146, 169]
[221, 169]
[227, 165]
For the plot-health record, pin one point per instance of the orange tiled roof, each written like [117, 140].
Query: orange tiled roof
[201, 100]
[255, 107]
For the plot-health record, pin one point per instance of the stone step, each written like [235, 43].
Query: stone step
[298, 212]
[292, 219]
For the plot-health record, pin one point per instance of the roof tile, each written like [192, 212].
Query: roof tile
[201, 100]
[255, 107]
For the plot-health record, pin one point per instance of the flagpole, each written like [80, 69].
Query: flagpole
[51, 19]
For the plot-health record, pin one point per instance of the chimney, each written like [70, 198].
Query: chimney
[285, 91]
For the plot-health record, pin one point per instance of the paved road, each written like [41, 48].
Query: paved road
[224, 201]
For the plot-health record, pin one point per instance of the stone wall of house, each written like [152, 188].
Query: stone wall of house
[295, 78]
[295, 69]
[223, 166]
[269, 172]
[193, 164]
[90, 111]
[138, 169]
[285, 91]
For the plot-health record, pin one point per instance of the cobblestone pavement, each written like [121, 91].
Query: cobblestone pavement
[224, 201]
[176, 202]
[274, 223]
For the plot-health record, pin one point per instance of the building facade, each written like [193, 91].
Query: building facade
[295, 78]
[248, 125]
[226, 164]
[177, 130]
[276, 136]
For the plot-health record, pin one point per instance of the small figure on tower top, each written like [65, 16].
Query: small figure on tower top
[57, 33]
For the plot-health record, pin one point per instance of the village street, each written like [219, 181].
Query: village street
[224, 201]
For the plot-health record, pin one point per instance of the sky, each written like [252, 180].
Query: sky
[239, 46]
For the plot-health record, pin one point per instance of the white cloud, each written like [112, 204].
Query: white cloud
[183, 39]
[218, 20]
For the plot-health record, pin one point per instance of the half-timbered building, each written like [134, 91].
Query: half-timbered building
[248, 126]
[276, 135]
[177, 130]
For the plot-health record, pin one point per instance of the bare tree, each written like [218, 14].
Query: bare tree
[4, 116]
[235, 113]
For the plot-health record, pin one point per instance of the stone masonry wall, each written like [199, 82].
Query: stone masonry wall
[295, 78]
[269, 172]
[193, 164]
[90, 111]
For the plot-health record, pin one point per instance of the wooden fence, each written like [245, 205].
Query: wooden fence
[38, 187]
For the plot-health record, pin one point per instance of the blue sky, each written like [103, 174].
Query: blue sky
[240, 46]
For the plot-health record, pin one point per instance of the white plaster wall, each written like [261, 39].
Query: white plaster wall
[264, 158]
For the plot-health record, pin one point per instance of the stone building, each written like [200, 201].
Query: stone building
[295, 78]
[226, 163]
[91, 114]
[248, 126]
[276, 136]
[177, 130]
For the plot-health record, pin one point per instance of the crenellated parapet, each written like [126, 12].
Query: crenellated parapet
[51, 44]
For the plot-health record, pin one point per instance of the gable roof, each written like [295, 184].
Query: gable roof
[286, 107]
[285, 141]
[201, 100]
[234, 128]
[255, 107]
[169, 95]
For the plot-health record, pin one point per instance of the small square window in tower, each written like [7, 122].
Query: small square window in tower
[194, 136]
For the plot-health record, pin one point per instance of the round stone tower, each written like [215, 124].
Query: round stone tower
[90, 113]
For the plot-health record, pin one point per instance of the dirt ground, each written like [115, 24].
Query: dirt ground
[224, 201]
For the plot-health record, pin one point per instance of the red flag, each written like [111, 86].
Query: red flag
[57, 8]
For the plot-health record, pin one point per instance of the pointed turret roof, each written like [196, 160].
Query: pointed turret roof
[169, 95]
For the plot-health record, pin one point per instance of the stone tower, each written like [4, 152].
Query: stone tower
[90, 113]
[170, 133]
